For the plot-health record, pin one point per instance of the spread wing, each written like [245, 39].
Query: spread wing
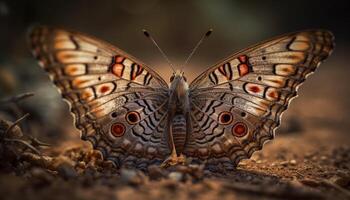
[119, 103]
[236, 104]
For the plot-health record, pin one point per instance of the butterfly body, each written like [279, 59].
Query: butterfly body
[178, 114]
[131, 115]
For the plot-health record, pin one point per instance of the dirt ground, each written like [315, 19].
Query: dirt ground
[301, 163]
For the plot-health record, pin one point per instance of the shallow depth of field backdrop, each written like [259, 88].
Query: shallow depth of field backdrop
[321, 110]
[177, 26]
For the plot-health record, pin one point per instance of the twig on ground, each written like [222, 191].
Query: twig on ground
[9, 129]
[16, 99]
[25, 143]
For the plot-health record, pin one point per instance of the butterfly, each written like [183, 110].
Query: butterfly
[134, 118]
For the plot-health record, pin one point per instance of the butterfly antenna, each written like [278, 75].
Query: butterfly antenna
[145, 32]
[196, 47]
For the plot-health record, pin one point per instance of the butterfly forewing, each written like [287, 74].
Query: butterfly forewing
[236, 105]
[119, 104]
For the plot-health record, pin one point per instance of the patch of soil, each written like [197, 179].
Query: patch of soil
[294, 166]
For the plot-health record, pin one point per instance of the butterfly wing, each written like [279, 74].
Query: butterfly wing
[119, 104]
[236, 105]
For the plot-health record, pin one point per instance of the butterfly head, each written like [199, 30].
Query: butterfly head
[178, 76]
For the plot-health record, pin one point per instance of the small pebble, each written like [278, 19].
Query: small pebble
[176, 176]
[67, 171]
[248, 178]
[155, 172]
[131, 176]
[293, 162]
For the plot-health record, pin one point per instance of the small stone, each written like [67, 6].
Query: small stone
[249, 178]
[67, 171]
[293, 162]
[183, 169]
[207, 173]
[176, 176]
[155, 172]
[40, 176]
[131, 176]
[107, 164]
[197, 171]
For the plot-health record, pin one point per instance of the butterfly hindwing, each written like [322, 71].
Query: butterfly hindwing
[237, 104]
[119, 104]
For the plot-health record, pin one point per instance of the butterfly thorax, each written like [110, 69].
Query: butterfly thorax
[179, 98]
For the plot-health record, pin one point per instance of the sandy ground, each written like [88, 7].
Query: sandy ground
[296, 165]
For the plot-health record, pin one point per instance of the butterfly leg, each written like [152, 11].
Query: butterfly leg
[173, 158]
[181, 159]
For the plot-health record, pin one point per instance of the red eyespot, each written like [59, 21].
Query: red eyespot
[225, 117]
[117, 129]
[254, 89]
[239, 129]
[132, 117]
[104, 89]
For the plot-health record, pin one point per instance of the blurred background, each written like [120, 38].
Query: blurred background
[323, 102]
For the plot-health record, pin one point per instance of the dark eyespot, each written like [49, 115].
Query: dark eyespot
[132, 117]
[114, 114]
[264, 58]
[172, 78]
[243, 114]
[185, 78]
[225, 117]
[259, 78]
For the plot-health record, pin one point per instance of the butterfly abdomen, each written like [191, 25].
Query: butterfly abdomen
[179, 132]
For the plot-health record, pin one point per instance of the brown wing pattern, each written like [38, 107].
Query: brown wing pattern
[236, 105]
[118, 102]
